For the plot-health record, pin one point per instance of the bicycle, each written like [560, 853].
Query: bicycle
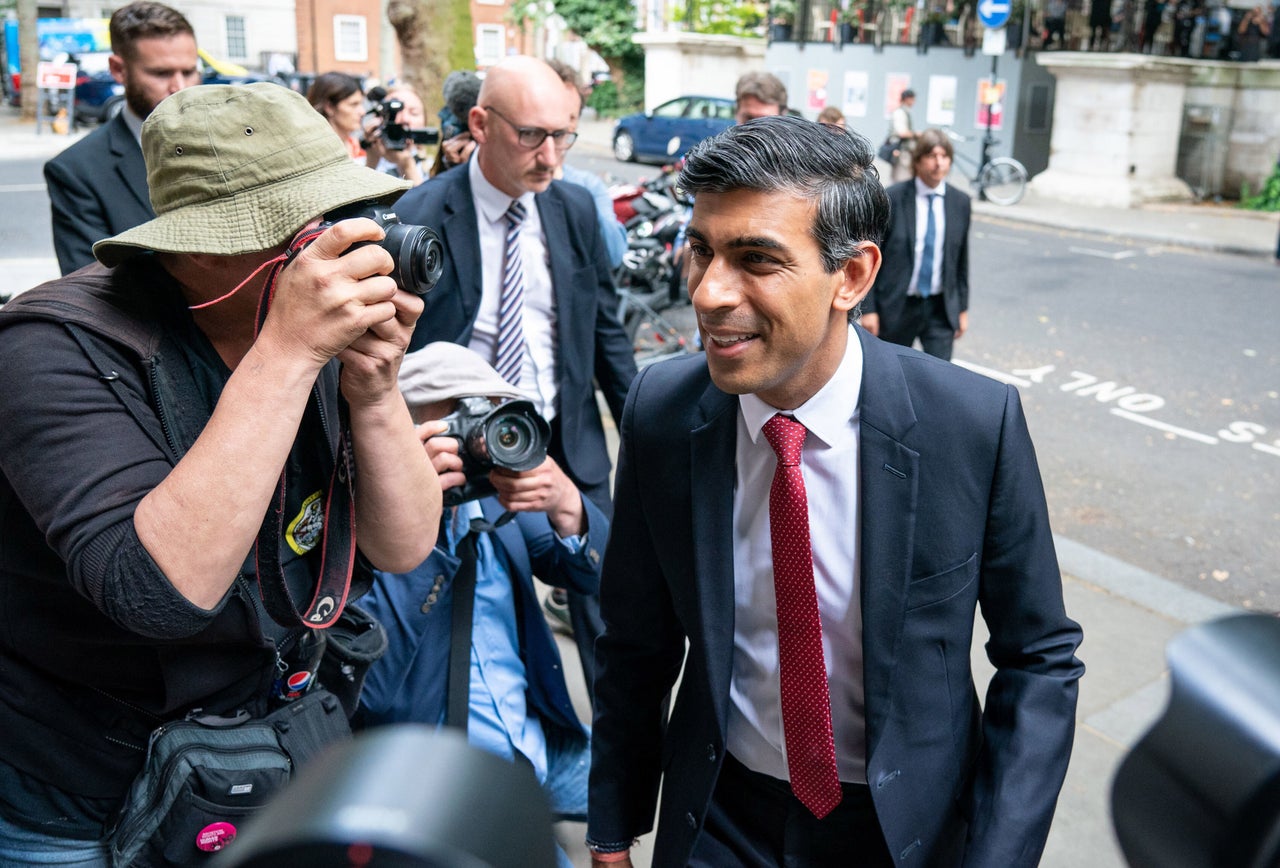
[1002, 180]
[653, 336]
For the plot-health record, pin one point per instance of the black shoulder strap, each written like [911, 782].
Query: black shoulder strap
[464, 598]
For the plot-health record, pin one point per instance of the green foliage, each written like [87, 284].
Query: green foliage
[782, 12]
[726, 17]
[606, 25]
[1268, 198]
[462, 53]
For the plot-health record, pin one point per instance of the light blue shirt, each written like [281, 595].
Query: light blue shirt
[498, 720]
[613, 232]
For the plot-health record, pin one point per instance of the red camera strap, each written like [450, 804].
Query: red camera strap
[338, 540]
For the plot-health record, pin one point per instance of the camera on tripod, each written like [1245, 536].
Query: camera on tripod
[511, 435]
[396, 136]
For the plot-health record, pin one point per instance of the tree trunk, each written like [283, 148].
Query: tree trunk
[28, 57]
[434, 37]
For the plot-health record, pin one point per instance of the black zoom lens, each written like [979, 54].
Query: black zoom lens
[418, 254]
[513, 441]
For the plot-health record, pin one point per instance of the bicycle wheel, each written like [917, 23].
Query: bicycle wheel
[1003, 181]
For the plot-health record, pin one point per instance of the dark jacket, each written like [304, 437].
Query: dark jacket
[96, 646]
[97, 189]
[888, 296]
[953, 516]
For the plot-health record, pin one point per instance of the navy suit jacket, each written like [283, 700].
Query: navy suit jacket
[409, 683]
[888, 296]
[953, 516]
[590, 341]
[97, 189]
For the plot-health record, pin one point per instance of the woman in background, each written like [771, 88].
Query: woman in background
[340, 99]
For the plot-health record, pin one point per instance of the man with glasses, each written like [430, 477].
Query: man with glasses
[527, 283]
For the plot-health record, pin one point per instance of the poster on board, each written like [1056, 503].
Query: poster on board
[854, 100]
[941, 108]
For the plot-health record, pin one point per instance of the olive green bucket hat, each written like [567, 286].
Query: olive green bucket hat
[240, 169]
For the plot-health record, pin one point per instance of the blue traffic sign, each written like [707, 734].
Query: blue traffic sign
[994, 13]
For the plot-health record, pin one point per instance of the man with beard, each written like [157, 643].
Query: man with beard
[98, 186]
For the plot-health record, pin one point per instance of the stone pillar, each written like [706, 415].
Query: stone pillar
[677, 63]
[1116, 120]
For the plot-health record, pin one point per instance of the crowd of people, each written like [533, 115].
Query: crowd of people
[240, 445]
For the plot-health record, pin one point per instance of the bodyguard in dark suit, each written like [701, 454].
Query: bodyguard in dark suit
[98, 186]
[570, 332]
[818, 514]
[922, 291]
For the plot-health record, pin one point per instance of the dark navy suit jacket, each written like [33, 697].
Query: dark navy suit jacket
[888, 297]
[97, 189]
[953, 516]
[591, 344]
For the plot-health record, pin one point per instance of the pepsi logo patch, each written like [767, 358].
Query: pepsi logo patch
[298, 681]
[215, 836]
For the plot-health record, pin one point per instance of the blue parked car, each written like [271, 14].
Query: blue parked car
[664, 134]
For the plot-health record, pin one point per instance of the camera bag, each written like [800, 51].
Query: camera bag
[888, 150]
[205, 775]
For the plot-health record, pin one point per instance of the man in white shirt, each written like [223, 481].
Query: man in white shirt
[807, 520]
[98, 186]
[900, 128]
[922, 291]
[562, 339]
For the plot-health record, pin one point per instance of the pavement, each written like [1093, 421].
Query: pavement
[1128, 614]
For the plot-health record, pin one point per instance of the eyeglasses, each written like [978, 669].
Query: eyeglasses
[533, 137]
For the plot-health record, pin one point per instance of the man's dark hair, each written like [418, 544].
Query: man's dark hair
[908, 94]
[764, 86]
[145, 20]
[806, 159]
[927, 141]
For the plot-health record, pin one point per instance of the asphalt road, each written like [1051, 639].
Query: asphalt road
[1150, 377]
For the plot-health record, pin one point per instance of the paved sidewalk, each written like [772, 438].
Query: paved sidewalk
[1128, 615]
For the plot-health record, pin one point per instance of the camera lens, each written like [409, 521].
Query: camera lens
[418, 254]
[513, 442]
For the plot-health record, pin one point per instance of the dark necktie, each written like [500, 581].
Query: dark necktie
[925, 284]
[806, 700]
[509, 359]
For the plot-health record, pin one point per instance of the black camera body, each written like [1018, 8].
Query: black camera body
[511, 435]
[396, 136]
[417, 251]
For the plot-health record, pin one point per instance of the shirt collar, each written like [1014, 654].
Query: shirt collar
[491, 202]
[922, 190]
[827, 414]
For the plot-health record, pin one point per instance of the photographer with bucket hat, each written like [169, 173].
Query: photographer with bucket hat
[213, 409]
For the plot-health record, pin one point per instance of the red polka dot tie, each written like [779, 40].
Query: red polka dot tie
[806, 701]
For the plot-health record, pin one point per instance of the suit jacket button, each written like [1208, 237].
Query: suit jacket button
[711, 752]
[691, 820]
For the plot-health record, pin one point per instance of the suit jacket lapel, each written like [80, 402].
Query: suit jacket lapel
[711, 476]
[888, 482]
[129, 164]
[555, 229]
[461, 237]
[909, 217]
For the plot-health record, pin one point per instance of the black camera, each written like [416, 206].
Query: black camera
[417, 250]
[396, 136]
[512, 435]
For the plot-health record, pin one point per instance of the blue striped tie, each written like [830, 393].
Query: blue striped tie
[510, 356]
[924, 284]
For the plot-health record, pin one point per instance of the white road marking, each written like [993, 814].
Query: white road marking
[1165, 426]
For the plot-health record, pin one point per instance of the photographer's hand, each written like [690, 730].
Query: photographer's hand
[547, 489]
[442, 452]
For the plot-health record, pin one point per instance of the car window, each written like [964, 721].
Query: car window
[673, 109]
[723, 110]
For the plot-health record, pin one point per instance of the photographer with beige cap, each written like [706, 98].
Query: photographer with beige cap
[214, 410]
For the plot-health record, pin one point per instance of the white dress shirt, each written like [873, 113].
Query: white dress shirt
[922, 225]
[538, 377]
[830, 466]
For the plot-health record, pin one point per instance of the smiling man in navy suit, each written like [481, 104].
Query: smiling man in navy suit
[98, 186]
[815, 515]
